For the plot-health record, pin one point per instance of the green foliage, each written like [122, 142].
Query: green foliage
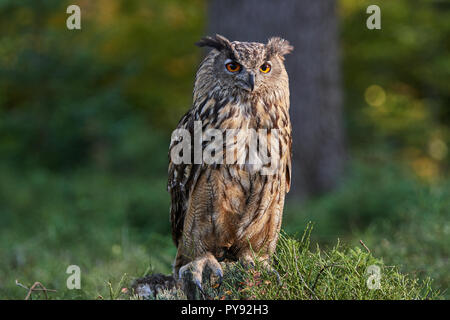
[72, 98]
[398, 217]
[108, 225]
[418, 243]
[370, 193]
[395, 88]
[336, 274]
[85, 121]
[341, 273]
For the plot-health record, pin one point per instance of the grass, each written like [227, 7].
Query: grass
[115, 227]
[401, 219]
[106, 224]
[314, 274]
[339, 273]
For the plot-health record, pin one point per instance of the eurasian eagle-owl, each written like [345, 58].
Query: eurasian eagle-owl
[231, 210]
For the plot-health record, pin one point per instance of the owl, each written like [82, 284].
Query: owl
[231, 209]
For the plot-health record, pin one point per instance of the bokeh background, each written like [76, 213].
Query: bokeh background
[86, 118]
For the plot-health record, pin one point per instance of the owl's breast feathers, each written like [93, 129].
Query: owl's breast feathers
[241, 185]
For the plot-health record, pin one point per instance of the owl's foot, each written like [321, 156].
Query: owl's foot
[271, 270]
[248, 262]
[191, 275]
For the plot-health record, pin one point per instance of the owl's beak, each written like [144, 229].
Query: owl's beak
[251, 81]
[247, 81]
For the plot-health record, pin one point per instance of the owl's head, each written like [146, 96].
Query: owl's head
[248, 66]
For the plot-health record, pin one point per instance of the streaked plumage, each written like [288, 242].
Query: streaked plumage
[219, 211]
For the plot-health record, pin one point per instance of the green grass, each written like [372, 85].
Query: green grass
[115, 227]
[342, 273]
[339, 273]
[106, 224]
[400, 219]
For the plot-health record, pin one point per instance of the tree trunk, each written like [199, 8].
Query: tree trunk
[313, 68]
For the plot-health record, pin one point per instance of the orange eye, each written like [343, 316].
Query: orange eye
[233, 67]
[265, 68]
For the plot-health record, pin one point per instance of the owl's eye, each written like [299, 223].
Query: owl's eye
[265, 68]
[233, 66]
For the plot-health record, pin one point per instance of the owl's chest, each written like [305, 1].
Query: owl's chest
[235, 189]
[250, 134]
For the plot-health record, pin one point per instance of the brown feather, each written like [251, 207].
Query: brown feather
[229, 209]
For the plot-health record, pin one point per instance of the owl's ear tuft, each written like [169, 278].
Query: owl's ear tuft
[278, 46]
[218, 42]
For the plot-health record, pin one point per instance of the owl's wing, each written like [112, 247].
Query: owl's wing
[182, 179]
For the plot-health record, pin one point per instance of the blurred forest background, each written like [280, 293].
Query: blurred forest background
[86, 118]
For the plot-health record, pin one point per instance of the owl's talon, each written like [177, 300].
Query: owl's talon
[219, 274]
[191, 283]
[272, 270]
[191, 275]
[249, 264]
[199, 286]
